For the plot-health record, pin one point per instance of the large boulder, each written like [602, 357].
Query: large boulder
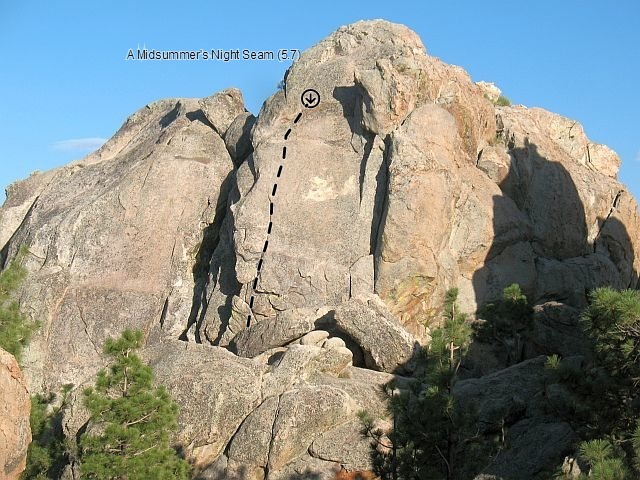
[15, 407]
[532, 448]
[386, 345]
[406, 181]
[224, 392]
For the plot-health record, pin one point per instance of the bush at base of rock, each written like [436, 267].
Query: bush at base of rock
[128, 433]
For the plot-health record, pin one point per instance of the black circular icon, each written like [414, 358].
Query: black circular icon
[310, 98]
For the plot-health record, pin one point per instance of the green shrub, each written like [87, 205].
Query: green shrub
[15, 328]
[46, 456]
[503, 101]
[507, 324]
[131, 418]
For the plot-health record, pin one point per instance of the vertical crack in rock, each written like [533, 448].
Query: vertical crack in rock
[163, 314]
[381, 207]
[273, 438]
[614, 206]
[86, 325]
[201, 267]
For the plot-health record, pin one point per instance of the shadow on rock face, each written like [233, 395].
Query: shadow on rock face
[613, 240]
[207, 247]
[557, 260]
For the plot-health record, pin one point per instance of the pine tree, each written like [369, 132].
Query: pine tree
[612, 323]
[609, 391]
[15, 328]
[131, 418]
[428, 430]
[603, 462]
[47, 456]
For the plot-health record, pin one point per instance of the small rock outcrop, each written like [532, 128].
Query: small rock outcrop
[15, 407]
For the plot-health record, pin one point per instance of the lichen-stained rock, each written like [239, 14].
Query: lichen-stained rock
[222, 109]
[237, 138]
[299, 363]
[567, 187]
[119, 238]
[215, 390]
[365, 387]
[15, 406]
[21, 197]
[406, 181]
[403, 182]
[440, 220]
[252, 443]
[330, 446]
[307, 468]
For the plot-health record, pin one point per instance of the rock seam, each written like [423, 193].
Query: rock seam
[274, 190]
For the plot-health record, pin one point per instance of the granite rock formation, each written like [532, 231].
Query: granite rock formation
[406, 180]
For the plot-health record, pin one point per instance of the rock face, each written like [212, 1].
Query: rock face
[119, 238]
[15, 406]
[283, 266]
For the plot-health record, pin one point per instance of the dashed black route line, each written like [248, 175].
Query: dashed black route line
[274, 190]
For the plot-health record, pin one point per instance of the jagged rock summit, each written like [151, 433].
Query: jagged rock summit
[274, 315]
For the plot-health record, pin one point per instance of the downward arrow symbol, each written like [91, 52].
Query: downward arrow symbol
[310, 98]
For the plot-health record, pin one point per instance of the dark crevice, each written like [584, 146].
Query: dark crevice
[273, 437]
[381, 208]
[614, 206]
[223, 271]
[351, 99]
[163, 315]
[361, 358]
[368, 146]
[208, 245]
[243, 146]
[224, 313]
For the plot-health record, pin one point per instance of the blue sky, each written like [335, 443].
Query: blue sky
[66, 85]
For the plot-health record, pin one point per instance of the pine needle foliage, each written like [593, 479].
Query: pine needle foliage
[131, 418]
[612, 321]
[610, 390]
[603, 462]
[15, 329]
[47, 455]
[428, 432]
